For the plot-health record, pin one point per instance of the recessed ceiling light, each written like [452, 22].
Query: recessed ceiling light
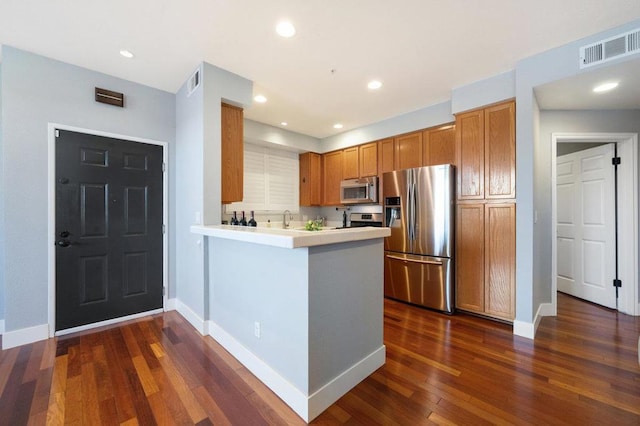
[285, 29]
[127, 54]
[260, 99]
[605, 87]
[284, 123]
[337, 126]
[374, 84]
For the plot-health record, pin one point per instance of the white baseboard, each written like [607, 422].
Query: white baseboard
[170, 305]
[23, 336]
[527, 329]
[547, 310]
[193, 318]
[106, 322]
[1, 327]
[335, 389]
[524, 329]
[307, 407]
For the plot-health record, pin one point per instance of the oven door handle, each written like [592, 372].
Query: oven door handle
[427, 262]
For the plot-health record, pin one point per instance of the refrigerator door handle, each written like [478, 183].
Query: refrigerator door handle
[409, 205]
[427, 262]
[413, 209]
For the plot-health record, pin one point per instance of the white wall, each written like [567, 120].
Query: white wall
[484, 92]
[612, 121]
[555, 64]
[275, 137]
[37, 91]
[198, 137]
[430, 116]
[2, 237]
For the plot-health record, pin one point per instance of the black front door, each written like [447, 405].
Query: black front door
[108, 228]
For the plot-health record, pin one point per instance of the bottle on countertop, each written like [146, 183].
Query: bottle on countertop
[243, 220]
[252, 221]
[234, 218]
[344, 219]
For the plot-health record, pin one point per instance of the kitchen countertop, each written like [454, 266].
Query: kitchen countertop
[290, 238]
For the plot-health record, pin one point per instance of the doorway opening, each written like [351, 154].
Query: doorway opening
[627, 240]
[107, 278]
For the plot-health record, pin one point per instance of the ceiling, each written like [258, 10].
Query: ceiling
[577, 92]
[418, 49]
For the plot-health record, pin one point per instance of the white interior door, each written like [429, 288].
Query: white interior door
[586, 224]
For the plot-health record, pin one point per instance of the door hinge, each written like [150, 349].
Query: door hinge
[164, 229]
[615, 161]
[164, 167]
[164, 291]
[57, 133]
[617, 283]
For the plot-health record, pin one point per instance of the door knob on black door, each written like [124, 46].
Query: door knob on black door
[63, 243]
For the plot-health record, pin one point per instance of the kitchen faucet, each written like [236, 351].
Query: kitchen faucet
[285, 221]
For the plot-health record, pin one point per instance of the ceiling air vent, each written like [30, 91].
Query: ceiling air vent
[193, 82]
[609, 49]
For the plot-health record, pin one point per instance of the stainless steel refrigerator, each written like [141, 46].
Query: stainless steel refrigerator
[418, 259]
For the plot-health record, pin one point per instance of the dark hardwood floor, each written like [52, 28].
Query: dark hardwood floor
[582, 369]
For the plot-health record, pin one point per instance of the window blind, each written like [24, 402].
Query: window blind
[270, 180]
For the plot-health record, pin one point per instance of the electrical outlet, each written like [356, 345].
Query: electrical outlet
[256, 329]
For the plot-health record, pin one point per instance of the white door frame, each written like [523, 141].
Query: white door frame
[51, 211]
[627, 215]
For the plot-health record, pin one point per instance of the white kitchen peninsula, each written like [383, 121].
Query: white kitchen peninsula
[301, 310]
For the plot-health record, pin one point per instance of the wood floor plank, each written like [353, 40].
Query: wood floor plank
[41, 395]
[7, 365]
[144, 374]
[196, 413]
[73, 401]
[90, 401]
[214, 412]
[581, 369]
[12, 390]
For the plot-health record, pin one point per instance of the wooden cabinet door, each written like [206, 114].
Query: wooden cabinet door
[470, 247]
[350, 163]
[500, 260]
[439, 146]
[331, 177]
[310, 179]
[232, 154]
[368, 159]
[386, 155]
[500, 151]
[470, 155]
[409, 151]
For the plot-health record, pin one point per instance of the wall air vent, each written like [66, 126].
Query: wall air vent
[193, 83]
[609, 49]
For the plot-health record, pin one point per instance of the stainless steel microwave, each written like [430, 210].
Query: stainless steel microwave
[359, 191]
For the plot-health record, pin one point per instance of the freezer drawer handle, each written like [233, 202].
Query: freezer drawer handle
[429, 262]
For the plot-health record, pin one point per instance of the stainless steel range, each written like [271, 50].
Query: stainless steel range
[365, 219]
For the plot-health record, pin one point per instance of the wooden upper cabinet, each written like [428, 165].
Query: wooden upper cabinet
[368, 159]
[439, 146]
[500, 260]
[386, 156]
[350, 163]
[500, 151]
[310, 179]
[486, 153]
[408, 151]
[231, 153]
[331, 177]
[470, 155]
